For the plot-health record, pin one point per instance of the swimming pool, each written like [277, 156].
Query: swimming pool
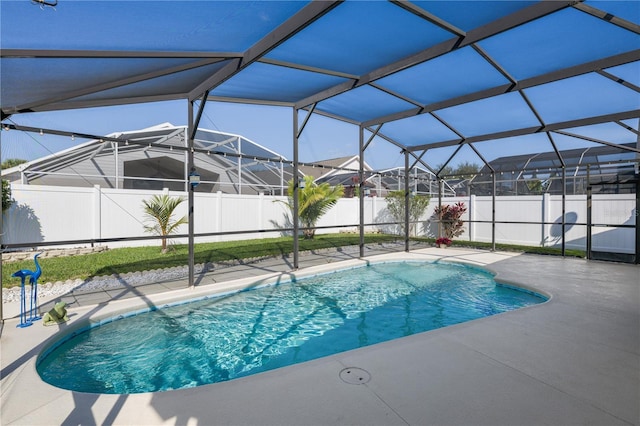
[230, 336]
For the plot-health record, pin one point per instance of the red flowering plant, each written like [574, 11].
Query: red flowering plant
[443, 241]
[452, 226]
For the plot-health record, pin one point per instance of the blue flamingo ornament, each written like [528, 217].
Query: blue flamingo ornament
[33, 280]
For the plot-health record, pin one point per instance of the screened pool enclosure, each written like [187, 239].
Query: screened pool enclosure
[226, 162]
[554, 85]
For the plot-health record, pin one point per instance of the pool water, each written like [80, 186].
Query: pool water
[231, 336]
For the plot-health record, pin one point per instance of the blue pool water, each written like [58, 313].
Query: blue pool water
[226, 337]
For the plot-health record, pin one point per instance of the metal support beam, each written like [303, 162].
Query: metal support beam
[288, 29]
[481, 157]
[493, 212]
[418, 158]
[296, 185]
[589, 220]
[96, 88]
[1, 234]
[564, 192]
[306, 119]
[418, 11]
[116, 148]
[511, 21]
[564, 210]
[190, 132]
[361, 187]
[421, 161]
[494, 63]
[440, 190]
[239, 166]
[59, 132]
[446, 163]
[407, 201]
[605, 16]
[386, 138]
[637, 219]
[196, 123]
[637, 170]
[619, 80]
[551, 127]
[585, 68]
[373, 135]
[600, 141]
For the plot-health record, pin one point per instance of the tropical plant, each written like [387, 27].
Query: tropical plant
[7, 201]
[443, 241]
[12, 162]
[536, 186]
[159, 212]
[464, 170]
[313, 202]
[449, 216]
[417, 206]
[6, 195]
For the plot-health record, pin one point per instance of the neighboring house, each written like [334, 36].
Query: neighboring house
[145, 159]
[377, 182]
[326, 169]
[339, 171]
[421, 182]
[343, 171]
[141, 163]
[610, 169]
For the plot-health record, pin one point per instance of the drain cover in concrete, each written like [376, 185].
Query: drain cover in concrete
[355, 376]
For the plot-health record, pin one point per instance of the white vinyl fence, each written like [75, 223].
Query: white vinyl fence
[49, 214]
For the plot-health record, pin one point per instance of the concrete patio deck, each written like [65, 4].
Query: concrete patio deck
[572, 360]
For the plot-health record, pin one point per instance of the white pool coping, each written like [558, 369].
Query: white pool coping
[460, 374]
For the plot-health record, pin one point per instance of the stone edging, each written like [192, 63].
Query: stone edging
[114, 281]
[25, 255]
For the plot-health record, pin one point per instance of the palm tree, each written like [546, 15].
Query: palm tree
[313, 201]
[159, 211]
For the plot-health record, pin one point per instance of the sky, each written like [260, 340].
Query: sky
[269, 126]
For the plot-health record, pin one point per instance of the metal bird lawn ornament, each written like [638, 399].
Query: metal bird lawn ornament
[33, 281]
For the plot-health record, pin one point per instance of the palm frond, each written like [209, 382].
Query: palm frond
[159, 212]
[313, 200]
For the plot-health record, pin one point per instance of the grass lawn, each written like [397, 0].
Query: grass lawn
[511, 247]
[123, 260]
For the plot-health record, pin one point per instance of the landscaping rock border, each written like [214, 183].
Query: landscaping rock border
[131, 279]
[26, 255]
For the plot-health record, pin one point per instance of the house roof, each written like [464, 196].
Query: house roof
[333, 166]
[420, 74]
[165, 134]
[607, 158]
[341, 162]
